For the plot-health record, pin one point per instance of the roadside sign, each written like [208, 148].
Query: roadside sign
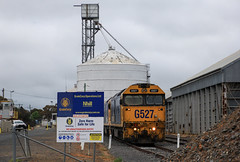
[80, 116]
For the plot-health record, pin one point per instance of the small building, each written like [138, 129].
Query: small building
[6, 109]
[6, 113]
[201, 101]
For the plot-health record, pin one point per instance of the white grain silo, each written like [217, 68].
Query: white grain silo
[111, 72]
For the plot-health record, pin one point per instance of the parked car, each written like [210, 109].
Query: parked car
[19, 124]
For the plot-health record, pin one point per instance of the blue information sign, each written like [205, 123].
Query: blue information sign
[80, 103]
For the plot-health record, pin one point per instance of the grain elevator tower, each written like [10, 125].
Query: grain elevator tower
[90, 18]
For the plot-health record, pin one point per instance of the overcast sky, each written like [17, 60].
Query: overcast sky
[40, 41]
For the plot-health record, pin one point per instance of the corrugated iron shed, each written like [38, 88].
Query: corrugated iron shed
[202, 100]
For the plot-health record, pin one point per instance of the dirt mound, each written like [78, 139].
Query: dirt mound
[221, 143]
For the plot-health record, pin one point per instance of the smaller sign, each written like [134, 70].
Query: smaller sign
[71, 129]
[95, 137]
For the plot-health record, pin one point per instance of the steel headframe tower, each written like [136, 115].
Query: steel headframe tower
[90, 18]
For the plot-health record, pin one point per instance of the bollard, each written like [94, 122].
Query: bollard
[82, 145]
[0, 130]
[178, 140]
[110, 142]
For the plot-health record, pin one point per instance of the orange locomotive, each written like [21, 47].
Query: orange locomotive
[136, 114]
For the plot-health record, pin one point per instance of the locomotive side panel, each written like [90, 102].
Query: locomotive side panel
[106, 113]
[116, 111]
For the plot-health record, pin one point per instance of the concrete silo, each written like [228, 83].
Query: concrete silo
[111, 72]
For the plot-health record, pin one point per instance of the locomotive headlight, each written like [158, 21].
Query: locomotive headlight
[135, 129]
[153, 128]
[155, 116]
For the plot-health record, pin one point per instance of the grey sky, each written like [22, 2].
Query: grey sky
[40, 41]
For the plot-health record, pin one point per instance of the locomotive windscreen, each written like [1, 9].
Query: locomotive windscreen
[133, 100]
[154, 100]
[143, 100]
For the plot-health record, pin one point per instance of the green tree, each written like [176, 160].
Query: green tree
[36, 116]
[48, 110]
[24, 115]
[2, 99]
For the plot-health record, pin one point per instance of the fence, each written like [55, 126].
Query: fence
[16, 133]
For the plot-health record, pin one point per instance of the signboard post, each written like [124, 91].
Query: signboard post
[80, 117]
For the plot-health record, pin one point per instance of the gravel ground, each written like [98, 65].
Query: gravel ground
[40, 153]
[128, 154]
[167, 145]
[43, 154]
[220, 143]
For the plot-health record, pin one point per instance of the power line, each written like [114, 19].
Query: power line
[30, 95]
[100, 26]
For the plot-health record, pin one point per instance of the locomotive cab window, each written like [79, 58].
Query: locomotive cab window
[133, 100]
[154, 99]
[143, 100]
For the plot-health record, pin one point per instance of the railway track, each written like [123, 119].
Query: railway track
[157, 151]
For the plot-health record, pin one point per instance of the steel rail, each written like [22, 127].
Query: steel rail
[174, 140]
[164, 148]
[140, 149]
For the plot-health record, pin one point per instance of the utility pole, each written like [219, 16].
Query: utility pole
[11, 94]
[3, 92]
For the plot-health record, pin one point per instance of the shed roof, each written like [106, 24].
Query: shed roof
[112, 57]
[215, 67]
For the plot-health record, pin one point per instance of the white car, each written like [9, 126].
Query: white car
[19, 124]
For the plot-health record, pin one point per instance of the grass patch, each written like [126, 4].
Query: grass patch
[118, 160]
[17, 160]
